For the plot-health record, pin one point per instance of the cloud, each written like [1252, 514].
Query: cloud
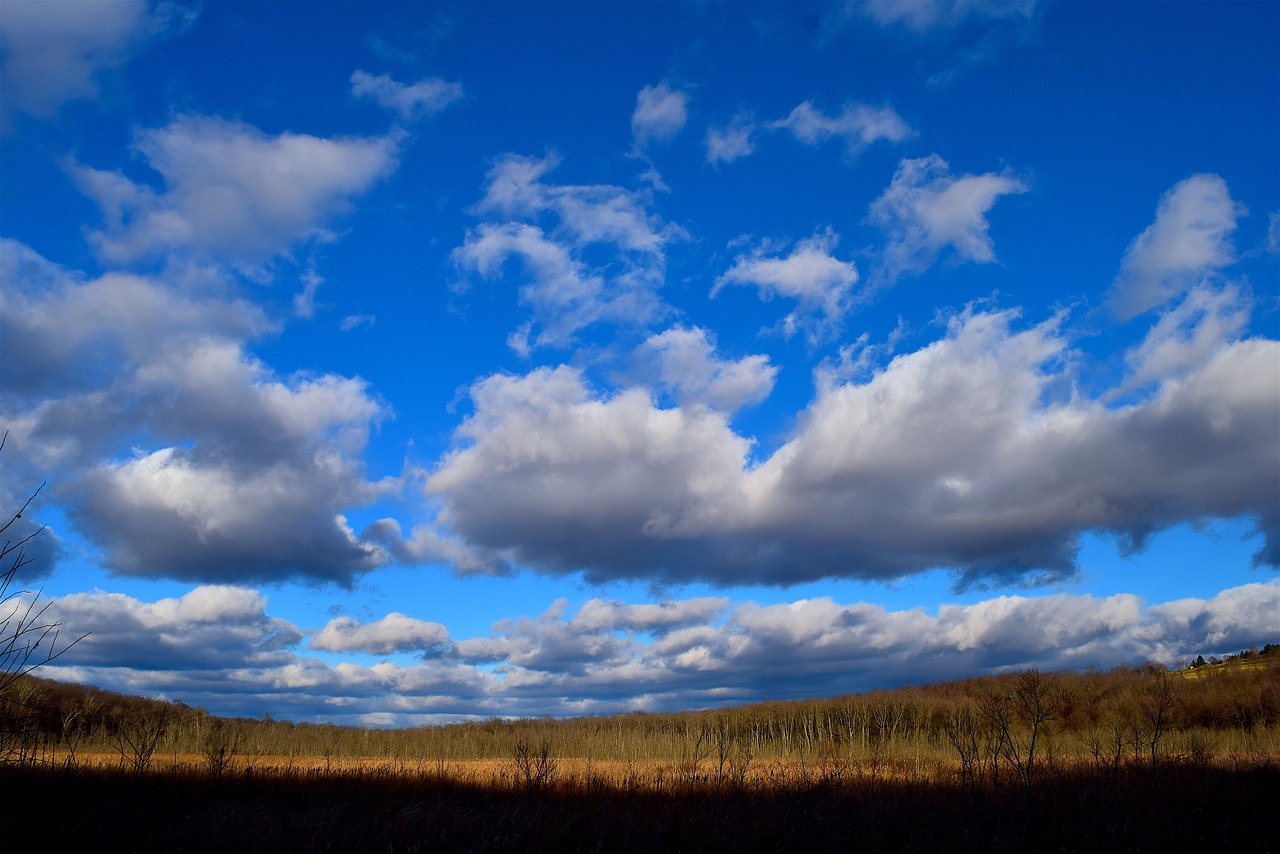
[61, 332]
[820, 283]
[1190, 238]
[393, 633]
[54, 52]
[230, 191]
[891, 475]
[553, 476]
[927, 210]
[731, 142]
[209, 628]
[859, 125]
[550, 228]
[683, 361]
[237, 473]
[409, 101]
[1187, 336]
[922, 16]
[660, 114]
[357, 321]
[218, 648]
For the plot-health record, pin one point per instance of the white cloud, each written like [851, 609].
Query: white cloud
[59, 329]
[884, 477]
[409, 101]
[731, 142]
[858, 125]
[357, 321]
[53, 52]
[393, 633]
[927, 209]
[209, 628]
[565, 293]
[230, 191]
[550, 473]
[660, 114]
[218, 648]
[921, 16]
[1190, 238]
[661, 617]
[237, 473]
[1187, 336]
[820, 283]
[684, 362]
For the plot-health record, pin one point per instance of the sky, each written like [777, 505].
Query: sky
[403, 363]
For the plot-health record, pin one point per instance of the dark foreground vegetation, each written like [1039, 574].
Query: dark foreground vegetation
[1135, 759]
[1168, 807]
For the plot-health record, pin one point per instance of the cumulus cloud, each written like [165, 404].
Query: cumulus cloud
[60, 331]
[230, 191]
[927, 210]
[859, 125]
[393, 633]
[549, 228]
[409, 101]
[209, 628]
[217, 647]
[1187, 336]
[52, 53]
[553, 475]
[1190, 238]
[683, 361]
[238, 473]
[820, 283]
[890, 475]
[731, 142]
[660, 114]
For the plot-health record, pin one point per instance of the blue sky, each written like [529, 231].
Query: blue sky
[398, 363]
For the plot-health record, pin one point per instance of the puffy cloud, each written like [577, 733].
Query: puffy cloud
[731, 142]
[209, 628]
[174, 514]
[59, 331]
[821, 283]
[52, 52]
[1190, 238]
[556, 477]
[660, 114]
[661, 617]
[237, 474]
[393, 633]
[409, 101]
[549, 228]
[218, 648]
[1187, 336]
[230, 191]
[962, 454]
[927, 210]
[859, 125]
[684, 362]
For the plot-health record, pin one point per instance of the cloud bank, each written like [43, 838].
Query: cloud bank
[218, 647]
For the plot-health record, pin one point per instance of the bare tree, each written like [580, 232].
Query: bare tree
[535, 763]
[138, 733]
[28, 638]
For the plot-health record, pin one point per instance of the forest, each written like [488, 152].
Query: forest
[1135, 758]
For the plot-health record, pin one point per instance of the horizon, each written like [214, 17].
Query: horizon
[428, 361]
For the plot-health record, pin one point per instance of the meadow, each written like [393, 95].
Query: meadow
[1134, 759]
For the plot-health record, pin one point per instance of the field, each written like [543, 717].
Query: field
[1136, 759]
